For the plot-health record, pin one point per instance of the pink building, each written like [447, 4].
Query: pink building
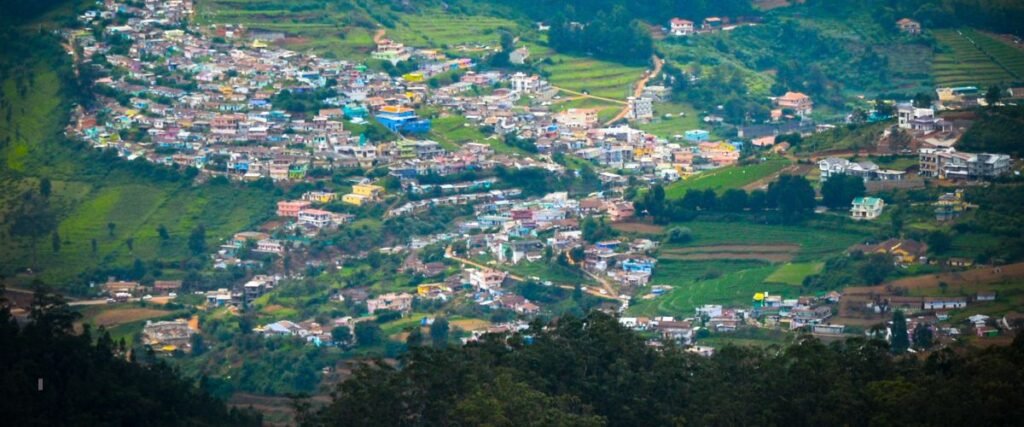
[291, 208]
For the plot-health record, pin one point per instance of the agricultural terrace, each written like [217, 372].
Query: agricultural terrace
[342, 29]
[605, 110]
[586, 75]
[459, 34]
[722, 179]
[972, 58]
[88, 196]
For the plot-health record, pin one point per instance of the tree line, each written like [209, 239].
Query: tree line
[790, 197]
[591, 371]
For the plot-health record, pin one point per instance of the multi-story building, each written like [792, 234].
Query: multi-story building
[947, 163]
[291, 208]
[362, 194]
[800, 103]
[641, 108]
[680, 27]
[402, 119]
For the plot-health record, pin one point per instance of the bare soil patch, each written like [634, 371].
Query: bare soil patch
[955, 278]
[126, 315]
[638, 227]
[470, 324]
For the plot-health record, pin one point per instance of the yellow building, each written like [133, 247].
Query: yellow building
[362, 194]
[413, 77]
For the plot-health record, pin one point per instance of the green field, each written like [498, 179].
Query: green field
[734, 288]
[342, 29]
[445, 30]
[794, 274]
[972, 58]
[675, 125]
[725, 178]
[720, 273]
[814, 242]
[453, 131]
[596, 77]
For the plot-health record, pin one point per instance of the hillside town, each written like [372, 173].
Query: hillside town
[226, 102]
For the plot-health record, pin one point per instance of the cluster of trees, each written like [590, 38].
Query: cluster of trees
[998, 130]
[839, 190]
[790, 197]
[591, 371]
[614, 36]
[655, 11]
[1005, 16]
[53, 376]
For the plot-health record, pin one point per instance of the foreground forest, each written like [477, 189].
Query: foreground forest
[55, 376]
[592, 371]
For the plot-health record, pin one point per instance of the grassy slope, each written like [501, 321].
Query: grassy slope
[89, 196]
[725, 178]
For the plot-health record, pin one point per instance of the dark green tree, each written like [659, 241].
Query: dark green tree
[439, 332]
[368, 334]
[900, 339]
[341, 334]
[197, 240]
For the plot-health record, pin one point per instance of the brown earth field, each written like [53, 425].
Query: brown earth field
[956, 278]
[638, 227]
[126, 315]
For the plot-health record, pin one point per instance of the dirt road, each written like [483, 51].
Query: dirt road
[448, 253]
[639, 88]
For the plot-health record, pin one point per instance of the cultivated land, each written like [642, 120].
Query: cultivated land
[87, 195]
[969, 57]
[727, 177]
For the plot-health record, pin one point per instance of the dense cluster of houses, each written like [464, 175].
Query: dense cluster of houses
[218, 99]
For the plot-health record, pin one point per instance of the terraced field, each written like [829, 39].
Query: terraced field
[448, 30]
[972, 58]
[340, 29]
[582, 74]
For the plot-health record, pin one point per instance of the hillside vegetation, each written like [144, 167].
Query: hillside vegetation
[593, 372]
[70, 212]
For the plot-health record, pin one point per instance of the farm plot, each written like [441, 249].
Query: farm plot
[963, 62]
[814, 242]
[794, 273]
[447, 31]
[731, 289]
[1008, 56]
[595, 77]
[671, 120]
[767, 253]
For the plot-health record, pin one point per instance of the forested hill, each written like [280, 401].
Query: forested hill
[593, 372]
[89, 382]
[1004, 16]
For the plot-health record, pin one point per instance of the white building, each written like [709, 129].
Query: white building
[680, 27]
[641, 108]
[866, 208]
